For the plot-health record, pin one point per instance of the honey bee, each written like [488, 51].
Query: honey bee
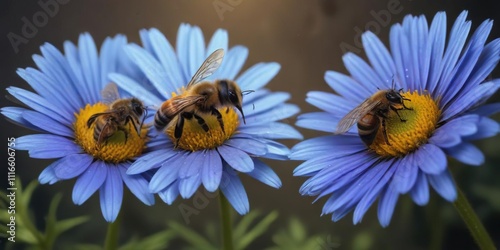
[117, 117]
[201, 98]
[371, 113]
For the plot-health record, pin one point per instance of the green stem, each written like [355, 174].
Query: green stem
[111, 242]
[470, 218]
[227, 230]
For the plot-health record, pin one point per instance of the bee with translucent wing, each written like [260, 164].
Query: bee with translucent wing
[201, 97]
[117, 117]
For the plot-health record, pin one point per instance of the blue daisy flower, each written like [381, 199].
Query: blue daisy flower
[68, 91]
[437, 113]
[210, 158]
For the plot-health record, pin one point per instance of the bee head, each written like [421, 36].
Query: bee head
[137, 106]
[394, 96]
[230, 94]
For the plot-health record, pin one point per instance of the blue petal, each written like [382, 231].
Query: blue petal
[258, 76]
[466, 64]
[40, 104]
[46, 146]
[486, 128]
[313, 166]
[61, 95]
[333, 150]
[346, 86]
[487, 109]
[486, 63]
[192, 165]
[406, 174]
[275, 150]
[282, 111]
[47, 124]
[233, 190]
[167, 173]
[468, 100]
[89, 181]
[451, 133]
[108, 56]
[248, 145]
[169, 194]
[265, 103]
[14, 115]
[320, 121]
[165, 53]
[150, 160]
[430, 159]
[219, 40]
[265, 174]
[436, 43]
[138, 185]
[458, 37]
[443, 184]
[272, 130]
[359, 185]
[386, 206]
[212, 170]
[420, 191]
[330, 103]
[378, 55]
[402, 57]
[134, 88]
[72, 57]
[236, 158]
[373, 192]
[48, 176]
[111, 194]
[362, 72]
[232, 64]
[72, 166]
[151, 68]
[90, 66]
[466, 153]
[182, 49]
[196, 51]
[190, 174]
[189, 185]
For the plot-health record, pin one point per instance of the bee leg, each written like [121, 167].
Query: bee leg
[201, 121]
[219, 118]
[385, 132]
[179, 126]
[397, 113]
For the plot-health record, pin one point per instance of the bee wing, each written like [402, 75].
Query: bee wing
[110, 93]
[354, 115]
[208, 67]
[179, 104]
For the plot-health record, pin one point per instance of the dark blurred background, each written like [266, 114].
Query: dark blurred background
[306, 38]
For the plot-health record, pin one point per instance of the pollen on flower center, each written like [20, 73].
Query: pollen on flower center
[405, 137]
[193, 136]
[117, 148]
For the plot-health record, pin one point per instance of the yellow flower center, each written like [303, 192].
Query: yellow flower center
[121, 146]
[405, 137]
[195, 138]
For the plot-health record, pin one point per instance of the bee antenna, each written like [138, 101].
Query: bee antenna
[246, 92]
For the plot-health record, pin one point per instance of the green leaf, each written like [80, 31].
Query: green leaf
[297, 230]
[244, 224]
[192, 237]
[87, 247]
[65, 225]
[156, 241]
[257, 231]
